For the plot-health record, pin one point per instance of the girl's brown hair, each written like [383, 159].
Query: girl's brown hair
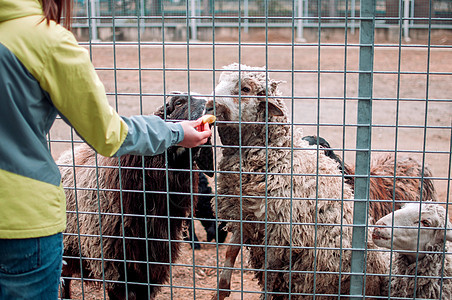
[56, 9]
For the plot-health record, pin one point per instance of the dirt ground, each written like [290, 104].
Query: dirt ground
[136, 78]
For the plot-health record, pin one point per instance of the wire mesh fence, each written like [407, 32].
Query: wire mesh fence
[255, 13]
[301, 211]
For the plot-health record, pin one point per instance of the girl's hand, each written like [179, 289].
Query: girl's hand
[195, 133]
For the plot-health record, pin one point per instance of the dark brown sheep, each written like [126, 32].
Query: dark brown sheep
[125, 201]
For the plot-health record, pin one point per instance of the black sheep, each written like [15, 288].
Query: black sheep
[128, 206]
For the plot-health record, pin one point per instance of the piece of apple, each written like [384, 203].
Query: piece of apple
[208, 119]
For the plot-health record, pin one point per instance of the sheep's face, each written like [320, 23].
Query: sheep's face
[182, 107]
[242, 96]
[247, 96]
[407, 221]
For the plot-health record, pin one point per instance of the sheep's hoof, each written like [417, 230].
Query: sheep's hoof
[221, 295]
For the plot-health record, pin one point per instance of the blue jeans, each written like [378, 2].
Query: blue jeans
[31, 268]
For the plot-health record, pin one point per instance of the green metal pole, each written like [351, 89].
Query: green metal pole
[363, 149]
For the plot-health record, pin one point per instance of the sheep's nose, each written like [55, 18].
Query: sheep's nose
[376, 233]
[209, 107]
[379, 226]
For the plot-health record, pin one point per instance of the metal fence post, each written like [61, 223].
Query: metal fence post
[193, 23]
[142, 16]
[353, 15]
[406, 16]
[300, 22]
[246, 15]
[93, 13]
[363, 148]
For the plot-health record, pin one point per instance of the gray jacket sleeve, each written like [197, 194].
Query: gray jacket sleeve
[149, 135]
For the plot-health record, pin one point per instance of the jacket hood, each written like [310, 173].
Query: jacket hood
[12, 9]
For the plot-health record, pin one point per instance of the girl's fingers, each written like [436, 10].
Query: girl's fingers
[205, 134]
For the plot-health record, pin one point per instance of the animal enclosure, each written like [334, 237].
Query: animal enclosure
[366, 94]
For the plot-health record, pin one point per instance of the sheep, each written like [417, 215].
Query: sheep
[411, 178]
[255, 184]
[323, 144]
[418, 272]
[206, 214]
[125, 218]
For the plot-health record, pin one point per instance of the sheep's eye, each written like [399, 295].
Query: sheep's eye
[179, 103]
[425, 223]
[246, 89]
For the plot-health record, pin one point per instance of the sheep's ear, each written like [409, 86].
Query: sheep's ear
[161, 111]
[168, 106]
[273, 109]
[449, 231]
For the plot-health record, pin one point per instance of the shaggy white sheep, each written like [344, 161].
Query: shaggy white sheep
[420, 271]
[298, 217]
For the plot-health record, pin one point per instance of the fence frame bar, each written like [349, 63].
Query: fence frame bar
[363, 148]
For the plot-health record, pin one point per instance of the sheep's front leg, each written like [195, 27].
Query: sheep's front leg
[225, 276]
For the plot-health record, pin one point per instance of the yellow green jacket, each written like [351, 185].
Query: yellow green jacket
[43, 73]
